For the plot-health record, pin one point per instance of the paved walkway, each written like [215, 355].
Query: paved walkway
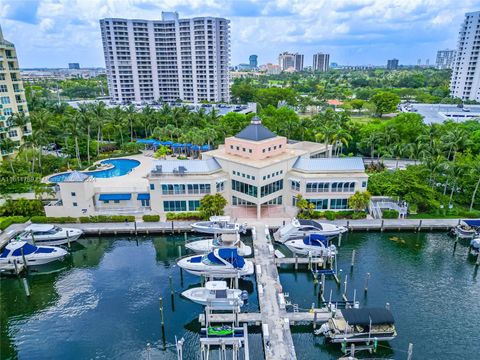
[277, 338]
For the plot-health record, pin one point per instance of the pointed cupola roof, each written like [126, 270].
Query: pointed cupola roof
[255, 131]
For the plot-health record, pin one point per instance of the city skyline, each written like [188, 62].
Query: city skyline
[353, 32]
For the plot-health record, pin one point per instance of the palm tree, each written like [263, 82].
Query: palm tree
[6, 147]
[454, 140]
[99, 111]
[130, 112]
[41, 127]
[455, 171]
[21, 120]
[341, 137]
[210, 134]
[86, 118]
[74, 126]
[475, 171]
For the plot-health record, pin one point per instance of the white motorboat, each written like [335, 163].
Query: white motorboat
[216, 295]
[224, 241]
[466, 229]
[218, 225]
[220, 263]
[34, 255]
[312, 244]
[359, 326]
[300, 228]
[475, 247]
[47, 234]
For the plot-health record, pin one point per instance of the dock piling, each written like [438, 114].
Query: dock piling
[339, 239]
[323, 283]
[366, 282]
[135, 227]
[296, 262]
[478, 260]
[160, 299]
[170, 281]
[410, 351]
[353, 258]
[23, 259]
[68, 240]
[33, 237]
[381, 227]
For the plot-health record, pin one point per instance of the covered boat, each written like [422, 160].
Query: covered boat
[218, 225]
[360, 325]
[47, 234]
[312, 244]
[475, 246]
[216, 295]
[222, 241]
[299, 228]
[220, 263]
[34, 255]
[467, 229]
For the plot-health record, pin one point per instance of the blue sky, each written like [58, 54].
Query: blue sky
[52, 33]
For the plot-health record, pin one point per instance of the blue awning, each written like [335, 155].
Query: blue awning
[145, 196]
[146, 141]
[107, 197]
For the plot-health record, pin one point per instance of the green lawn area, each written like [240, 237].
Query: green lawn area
[362, 119]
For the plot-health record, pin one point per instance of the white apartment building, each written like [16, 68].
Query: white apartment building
[12, 99]
[321, 62]
[289, 61]
[465, 82]
[168, 59]
[445, 59]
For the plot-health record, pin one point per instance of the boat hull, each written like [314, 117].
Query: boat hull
[60, 238]
[218, 271]
[207, 245]
[198, 295]
[213, 230]
[297, 247]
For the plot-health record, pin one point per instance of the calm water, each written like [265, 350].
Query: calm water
[103, 303]
[120, 167]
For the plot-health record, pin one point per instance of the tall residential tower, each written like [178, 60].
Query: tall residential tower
[288, 61]
[465, 82]
[13, 104]
[168, 59]
[321, 62]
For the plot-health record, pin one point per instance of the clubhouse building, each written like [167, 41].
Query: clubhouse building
[259, 173]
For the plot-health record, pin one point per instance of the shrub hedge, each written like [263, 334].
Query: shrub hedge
[195, 215]
[53, 220]
[6, 222]
[151, 218]
[107, 219]
[389, 214]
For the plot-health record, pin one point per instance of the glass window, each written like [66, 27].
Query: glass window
[175, 205]
[116, 201]
[75, 204]
[339, 204]
[320, 204]
[295, 185]
[271, 188]
[152, 186]
[244, 188]
[73, 194]
[193, 205]
[106, 201]
[364, 184]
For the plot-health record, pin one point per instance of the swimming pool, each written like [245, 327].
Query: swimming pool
[120, 167]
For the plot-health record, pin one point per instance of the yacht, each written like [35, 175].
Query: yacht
[219, 263]
[216, 295]
[313, 245]
[467, 229]
[475, 246]
[223, 241]
[47, 234]
[218, 225]
[34, 255]
[299, 228]
[359, 326]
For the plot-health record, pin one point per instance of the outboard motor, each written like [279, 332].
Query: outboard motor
[244, 296]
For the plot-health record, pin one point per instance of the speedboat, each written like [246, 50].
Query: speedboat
[223, 241]
[300, 228]
[218, 225]
[475, 247]
[216, 295]
[220, 263]
[312, 244]
[467, 229]
[359, 326]
[34, 255]
[48, 234]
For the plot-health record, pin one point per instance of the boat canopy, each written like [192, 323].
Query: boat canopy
[39, 227]
[315, 240]
[231, 255]
[312, 223]
[365, 317]
[472, 223]
[27, 249]
[220, 218]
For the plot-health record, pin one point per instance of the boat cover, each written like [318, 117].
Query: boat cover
[27, 249]
[196, 259]
[310, 223]
[472, 223]
[315, 240]
[232, 257]
[365, 317]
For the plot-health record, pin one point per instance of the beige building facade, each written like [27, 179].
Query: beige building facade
[258, 172]
[12, 100]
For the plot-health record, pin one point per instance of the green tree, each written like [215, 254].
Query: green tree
[212, 205]
[359, 201]
[385, 102]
